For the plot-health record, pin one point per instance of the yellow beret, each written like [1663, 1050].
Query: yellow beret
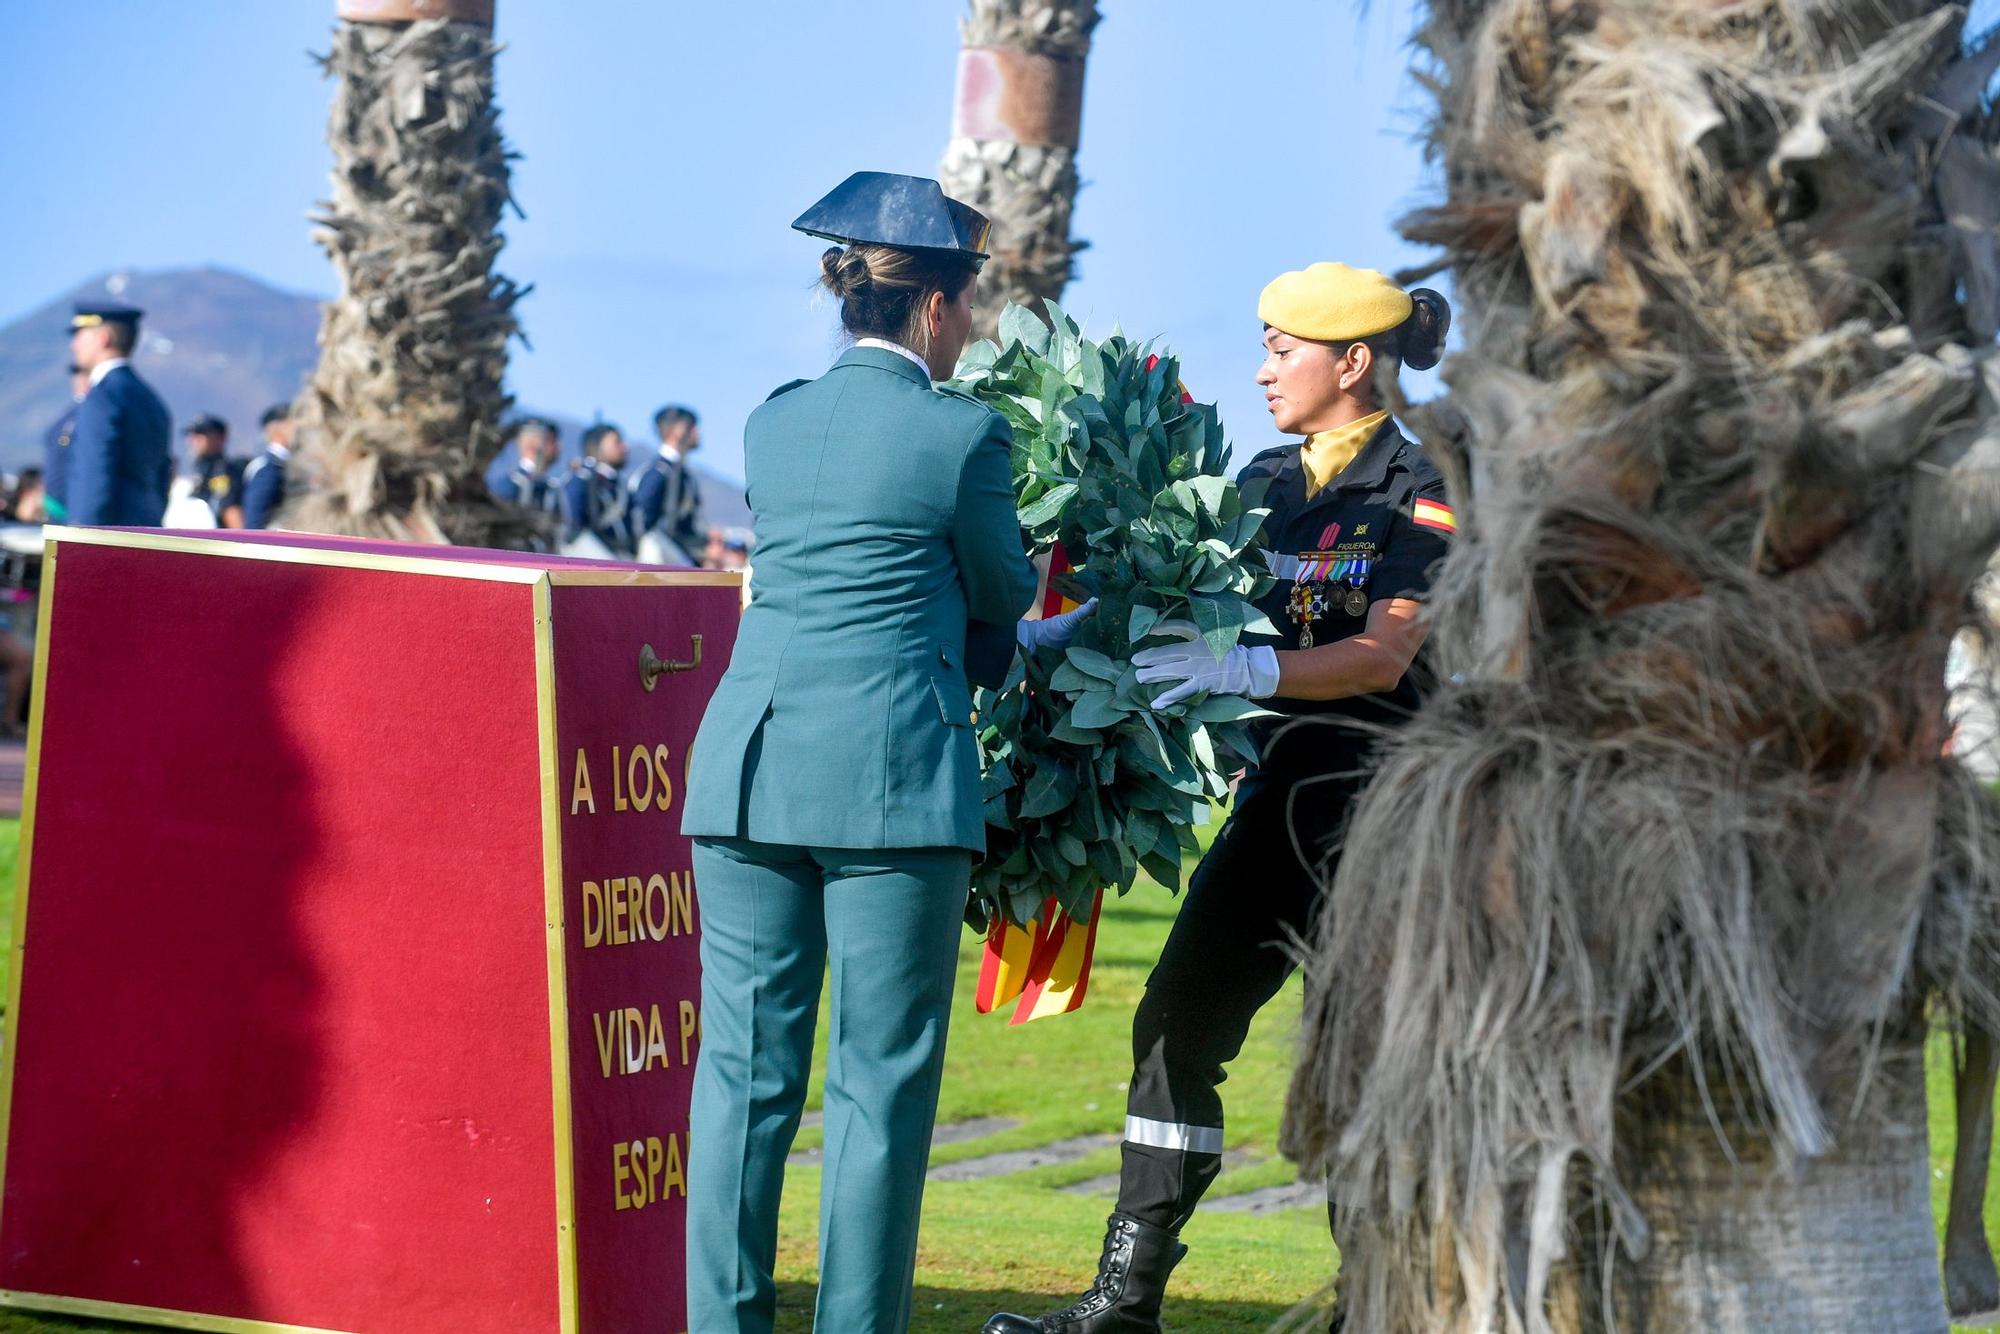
[1331, 303]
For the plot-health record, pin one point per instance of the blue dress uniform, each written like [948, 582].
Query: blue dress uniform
[121, 455]
[264, 486]
[666, 497]
[834, 802]
[594, 502]
[527, 487]
[55, 464]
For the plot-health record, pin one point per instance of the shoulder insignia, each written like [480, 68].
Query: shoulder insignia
[785, 388]
[1433, 514]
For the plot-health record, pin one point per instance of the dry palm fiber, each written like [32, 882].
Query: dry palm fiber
[1726, 437]
[405, 409]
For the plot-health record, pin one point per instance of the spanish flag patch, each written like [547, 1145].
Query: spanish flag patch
[1434, 514]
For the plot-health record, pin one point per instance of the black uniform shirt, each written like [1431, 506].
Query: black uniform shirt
[218, 482]
[1373, 533]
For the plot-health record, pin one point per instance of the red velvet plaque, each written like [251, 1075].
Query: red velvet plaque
[355, 976]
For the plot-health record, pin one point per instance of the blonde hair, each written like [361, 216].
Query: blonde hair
[884, 290]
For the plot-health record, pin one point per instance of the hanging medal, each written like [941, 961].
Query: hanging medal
[1301, 607]
[1356, 601]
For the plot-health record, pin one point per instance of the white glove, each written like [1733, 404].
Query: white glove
[1053, 631]
[1251, 672]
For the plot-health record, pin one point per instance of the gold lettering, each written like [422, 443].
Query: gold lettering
[593, 922]
[635, 1041]
[656, 1158]
[614, 891]
[638, 765]
[689, 1021]
[656, 1040]
[617, 786]
[607, 1041]
[579, 788]
[683, 913]
[656, 889]
[665, 801]
[644, 1189]
[676, 1174]
[618, 1174]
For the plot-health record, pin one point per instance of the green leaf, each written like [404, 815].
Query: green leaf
[1049, 789]
[1228, 709]
[1071, 848]
[1072, 680]
[1220, 620]
[1092, 663]
[1074, 736]
[1049, 506]
[1097, 708]
[1211, 492]
[1141, 624]
[1020, 325]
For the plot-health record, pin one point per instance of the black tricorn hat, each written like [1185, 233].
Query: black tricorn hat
[910, 212]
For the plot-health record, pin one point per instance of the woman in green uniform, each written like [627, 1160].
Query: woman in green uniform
[1358, 519]
[834, 797]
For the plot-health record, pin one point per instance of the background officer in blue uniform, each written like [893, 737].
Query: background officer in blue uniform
[120, 456]
[1358, 519]
[264, 477]
[528, 482]
[666, 498]
[596, 508]
[56, 449]
[834, 795]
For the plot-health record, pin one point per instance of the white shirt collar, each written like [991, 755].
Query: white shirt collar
[671, 453]
[104, 368]
[899, 350]
[283, 452]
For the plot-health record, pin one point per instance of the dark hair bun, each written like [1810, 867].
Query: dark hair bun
[843, 271]
[1424, 331]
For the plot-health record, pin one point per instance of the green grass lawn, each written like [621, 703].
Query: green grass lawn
[1020, 1242]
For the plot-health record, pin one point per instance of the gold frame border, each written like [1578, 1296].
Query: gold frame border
[149, 1315]
[24, 852]
[50, 1303]
[569, 1309]
[360, 560]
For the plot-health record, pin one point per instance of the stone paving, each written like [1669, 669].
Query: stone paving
[1007, 1162]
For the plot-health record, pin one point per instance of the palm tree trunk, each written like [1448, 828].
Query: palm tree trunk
[1014, 138]
[404, 411]
[1744, 1242]
[1725, 441]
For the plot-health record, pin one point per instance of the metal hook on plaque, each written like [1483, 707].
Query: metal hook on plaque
[652, 666]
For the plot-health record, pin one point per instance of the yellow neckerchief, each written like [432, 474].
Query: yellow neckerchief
[1325, 453]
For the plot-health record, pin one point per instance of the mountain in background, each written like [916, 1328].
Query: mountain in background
[212, 341]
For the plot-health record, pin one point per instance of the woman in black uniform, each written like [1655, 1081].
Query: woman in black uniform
[1358, 520]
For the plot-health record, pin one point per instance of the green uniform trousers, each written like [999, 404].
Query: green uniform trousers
[772, 918]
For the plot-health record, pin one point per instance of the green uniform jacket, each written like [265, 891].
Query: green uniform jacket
[884, 513]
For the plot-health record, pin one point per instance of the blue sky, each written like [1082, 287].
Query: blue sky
[666, 146]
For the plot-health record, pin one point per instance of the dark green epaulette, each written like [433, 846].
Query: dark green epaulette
[785, 388]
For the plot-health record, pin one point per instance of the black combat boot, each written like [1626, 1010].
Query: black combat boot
[1125, 1299]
